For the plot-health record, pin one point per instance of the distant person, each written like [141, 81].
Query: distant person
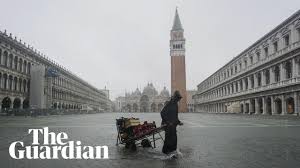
[169, 116]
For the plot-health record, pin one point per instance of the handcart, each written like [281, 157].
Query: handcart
[132, 133]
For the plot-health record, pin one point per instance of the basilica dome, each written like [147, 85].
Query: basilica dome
[165, 93]
[150, 90]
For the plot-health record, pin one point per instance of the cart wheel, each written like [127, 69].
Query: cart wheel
[146, 143]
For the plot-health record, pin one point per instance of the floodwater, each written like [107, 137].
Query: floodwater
[205, 140]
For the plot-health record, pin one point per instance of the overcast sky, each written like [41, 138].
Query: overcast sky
[123, 44]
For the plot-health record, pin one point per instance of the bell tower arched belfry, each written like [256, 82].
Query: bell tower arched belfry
[177, 53]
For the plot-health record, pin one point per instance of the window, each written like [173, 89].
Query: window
[277, 74]
[258, 56]
[240, 66]
[267, 73]
[245, 62]
[275, 45]
[258, 79]
[251, 60]
[298, 30]
[266, 49]
[287, 40]
[235, 69]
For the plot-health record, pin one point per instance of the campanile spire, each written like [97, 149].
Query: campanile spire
[177, 53]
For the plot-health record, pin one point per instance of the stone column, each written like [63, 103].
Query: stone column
[272, 75]
[245, 108]
[251, 109]
[256, 106]
[295, 67]
[255, 77]
[263, 78]
[283, 102]
[264, 103]
[282, 72]
[296, 103]
[244, 83]
[273, 106]
[249, 83]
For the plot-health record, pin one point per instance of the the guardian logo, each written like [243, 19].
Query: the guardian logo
[55, 146]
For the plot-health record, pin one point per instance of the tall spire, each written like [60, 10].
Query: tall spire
[177, 24]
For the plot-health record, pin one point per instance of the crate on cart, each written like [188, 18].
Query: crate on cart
[133, 133]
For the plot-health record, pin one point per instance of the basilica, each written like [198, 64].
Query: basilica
[149, 100]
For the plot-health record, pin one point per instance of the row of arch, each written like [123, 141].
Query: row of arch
[14, 62]
[143, 107]
[58, 105]
[16, 103]
[277, 73]
[272, 106]
[13, 83]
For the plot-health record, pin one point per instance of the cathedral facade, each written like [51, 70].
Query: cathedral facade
[149, 100]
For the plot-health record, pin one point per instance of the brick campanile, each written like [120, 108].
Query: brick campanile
[177, 53]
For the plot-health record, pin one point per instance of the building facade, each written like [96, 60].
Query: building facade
[177, 53]
[147, 101]
[26, 81]
[263, 79]
[190, 100]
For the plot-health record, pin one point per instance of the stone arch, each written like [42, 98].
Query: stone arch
[153, 107]
[10, 82]
[160, 106]
[25, 66]
[20, 85]
[28, 67]
[16, 62]
[252, 106]
[128, 108]
[26, 103]
[55, 105]
[242, 108]
[10, 60]
[24, 85]
[290, 105]
[15, 87]
[277, 73]
[288, 70]
[135, 107]
[247, 107]
[144, 103]
[260, 106]
[20, 64]
[6, 103]
[269, 106]
[5, 58]
[278, 105]
[5, 78]
[17, 103]
[28, 86]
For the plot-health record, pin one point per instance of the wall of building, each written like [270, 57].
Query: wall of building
[263, 79]
[65, 91]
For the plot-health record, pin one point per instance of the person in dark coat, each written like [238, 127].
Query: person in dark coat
[169, 116]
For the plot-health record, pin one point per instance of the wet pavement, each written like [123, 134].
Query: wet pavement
[205, 140]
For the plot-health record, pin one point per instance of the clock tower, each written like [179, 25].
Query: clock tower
[177, 53]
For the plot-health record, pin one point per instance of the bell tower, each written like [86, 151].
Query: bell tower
[177, 53]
